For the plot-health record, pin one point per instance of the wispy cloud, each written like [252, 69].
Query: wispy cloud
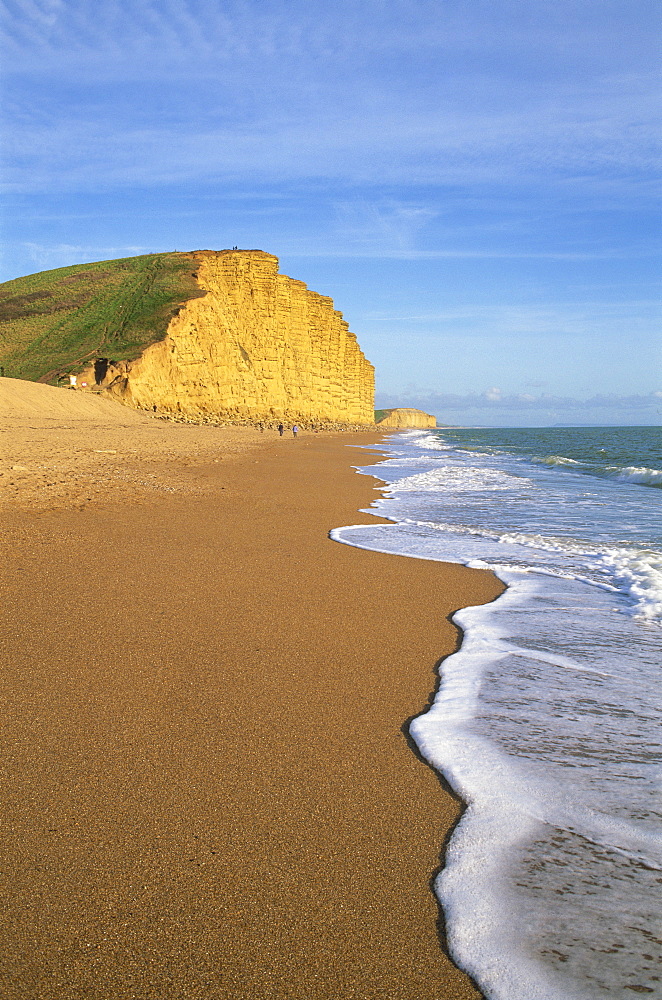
[559, 34]
[64, 254]
[597, 318]
[82, 147]
[256, 90]
[389, 226]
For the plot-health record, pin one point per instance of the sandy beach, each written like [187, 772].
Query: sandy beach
[208, 792]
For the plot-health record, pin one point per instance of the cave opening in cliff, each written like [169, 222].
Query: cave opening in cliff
[100, 369]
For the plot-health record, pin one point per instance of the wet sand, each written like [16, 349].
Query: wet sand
[208, 792]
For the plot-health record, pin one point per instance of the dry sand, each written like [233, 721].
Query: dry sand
[61, 448]
[207, 790]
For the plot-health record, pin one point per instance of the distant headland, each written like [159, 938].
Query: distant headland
[404, 417]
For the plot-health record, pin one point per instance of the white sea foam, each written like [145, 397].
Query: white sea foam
[640, 574]
[523, 808]
[449, 478]
[424, 439]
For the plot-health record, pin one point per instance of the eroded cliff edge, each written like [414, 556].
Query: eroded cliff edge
[257, 346]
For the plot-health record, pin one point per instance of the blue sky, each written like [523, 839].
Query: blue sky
[475, 183]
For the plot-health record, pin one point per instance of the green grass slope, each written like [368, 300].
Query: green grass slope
[56, 322]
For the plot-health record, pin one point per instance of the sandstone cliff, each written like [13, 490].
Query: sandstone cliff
[257, 346]
[404, 417]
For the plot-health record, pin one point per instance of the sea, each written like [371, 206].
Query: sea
[546, 721]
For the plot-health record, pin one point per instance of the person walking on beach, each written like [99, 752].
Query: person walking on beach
[281, 429]
[295, 430]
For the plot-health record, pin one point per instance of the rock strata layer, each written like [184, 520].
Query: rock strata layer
[404, 417]
[259, 346]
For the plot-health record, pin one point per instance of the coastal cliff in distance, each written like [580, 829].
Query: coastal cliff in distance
[404, 417]
[203, 336]
[257, 346]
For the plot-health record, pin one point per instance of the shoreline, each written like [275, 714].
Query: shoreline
[235, 812]
[445, 785]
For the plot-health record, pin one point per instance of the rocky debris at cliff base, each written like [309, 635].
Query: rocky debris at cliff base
[306, 425]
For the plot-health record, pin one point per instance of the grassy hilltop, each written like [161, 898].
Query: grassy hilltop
[55, 322]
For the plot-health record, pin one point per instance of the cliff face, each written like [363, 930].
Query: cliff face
[257, 346]
[404, 417]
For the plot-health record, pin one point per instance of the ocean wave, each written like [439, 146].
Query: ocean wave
[450, 478]
[634, 474]
[424, 439]
[640, 475]
[556, 460]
